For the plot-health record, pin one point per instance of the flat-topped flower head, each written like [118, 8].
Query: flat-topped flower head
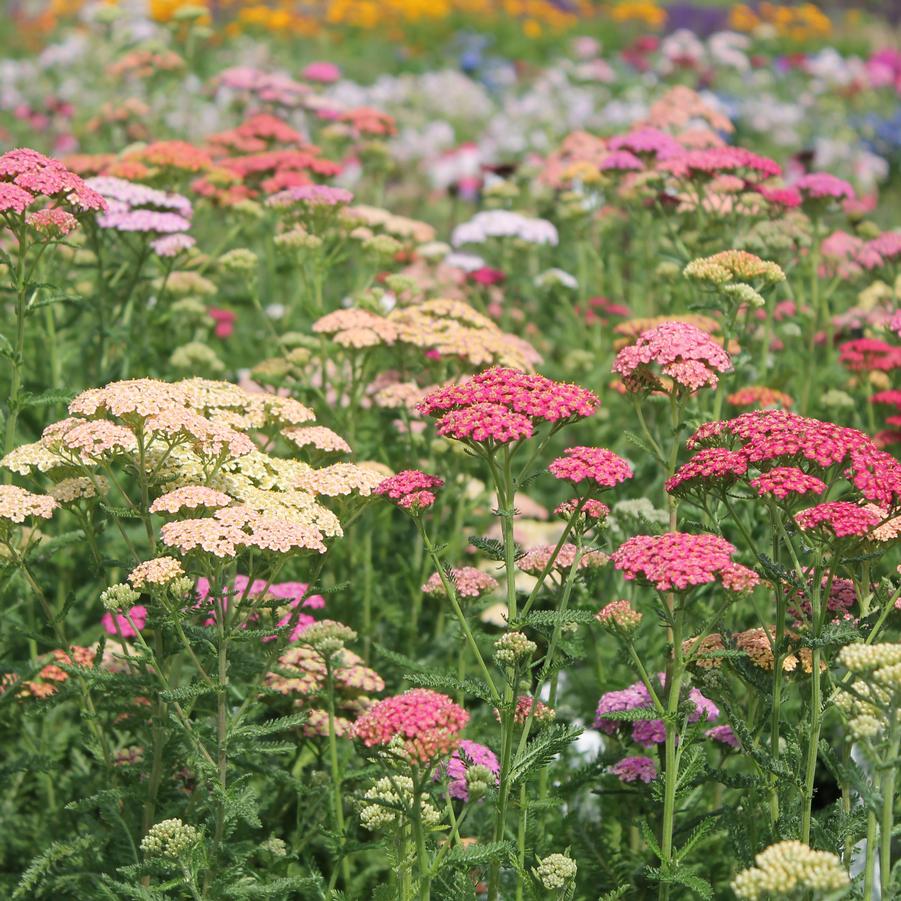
[840, 518]
[17, 504]
[158, 571]
[712, 467]
[598, 467]
[691, 358]
[490, 424]
[527, 394]
[190, 497]
[713, 161]
[504, 224]
[869, 355]
[635, 769]
[27, 176]
[647, 142]
[789, 867]
[784, 482]
[678, 561]
[318, 436]
[428, 724]
[760, 396]
[311, 196]
[823, 185]
[734, 266]
[536, 560]
[410, 489]
[468, 582]
[619, 616]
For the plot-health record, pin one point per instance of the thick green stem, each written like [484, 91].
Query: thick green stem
[334, 764]
[812, 745]
[671, 757]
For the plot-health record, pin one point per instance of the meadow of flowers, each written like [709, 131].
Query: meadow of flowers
[449, 451]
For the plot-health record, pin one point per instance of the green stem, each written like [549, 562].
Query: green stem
[337, 796]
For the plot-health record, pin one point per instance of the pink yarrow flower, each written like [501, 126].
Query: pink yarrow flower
[427, 723]
[410, 489]
[596, 465]
[842, 518]
[785, 481]
[118, 624]
[677, 561]
[689, 356]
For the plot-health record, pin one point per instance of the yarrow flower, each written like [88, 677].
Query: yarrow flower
[787, 867]
[469, 754]
[588, 508]
[619, 616]
[158, 571]
[26, 176]
[634, 769]
[485, 424]
[555, 871]
[709, 468]
[468, 582]
[596, 465]
[190, 497]
[536, 559]
[823, 185]
[528, 395]
[410, 489]
[784, 481]
[842, 518]
[17, 504]
[677, 561]
[759, 396]
[427, 723]
[170, 839]
[504, 224]
[684, 353]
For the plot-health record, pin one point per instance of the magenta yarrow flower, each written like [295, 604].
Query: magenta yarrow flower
[118, 623]
[677, 561]
[597, 466]
[842, 518]
[785, 481]
[528, 394]
[725, 736]
[485, 424]
[713, 466]
[635, 769]
[410, 489]
[712, 161]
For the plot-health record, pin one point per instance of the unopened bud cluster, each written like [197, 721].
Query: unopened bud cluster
[392, 792]
[170, 839]
[788, 867]
[555, 871]
[513, 647]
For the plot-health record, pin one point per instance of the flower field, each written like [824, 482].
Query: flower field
[450, 451]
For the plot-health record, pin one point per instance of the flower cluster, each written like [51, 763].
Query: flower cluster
[687, 356]
[787, 867]
[596, 466]
[678, 561]
[427, 723]
[411, 489]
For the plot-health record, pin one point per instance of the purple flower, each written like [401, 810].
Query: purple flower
[724, 735]
[469, 753]
[631, 769]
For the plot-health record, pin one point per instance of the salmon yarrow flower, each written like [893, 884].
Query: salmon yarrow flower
[17, 504]
[596, 466]
[678, 561]
[527, 706]
[689, 357]
[619, 616]
[426, 723]
[536, 560]
[759, 396]
[27, 176]
[468, 582]
[589, 509]
[158, 571]
[190, 497]
[788, 867]
[320, 437]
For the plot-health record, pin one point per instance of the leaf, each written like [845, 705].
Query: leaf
[699, 886]
[542, 750]
[490, 547]
[638, 441]
[650, 838]
[616, 893]
[271, 727]
[552, 617]
[449, 683]
[473, 855]
[701, 831]
[46, 398]
[187, 692]
[43, 865]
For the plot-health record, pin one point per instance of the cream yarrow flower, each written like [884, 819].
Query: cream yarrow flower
[555, 871]
[170, 839]
[787, 867]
